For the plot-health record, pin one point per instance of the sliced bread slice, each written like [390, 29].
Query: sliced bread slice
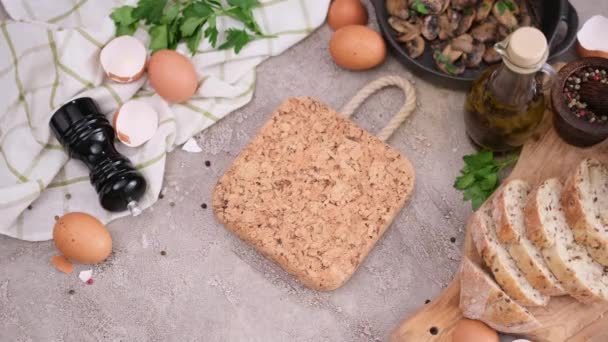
[496, 257]
[583, 278]
[482, 299]
[585, 201]
[508, 215]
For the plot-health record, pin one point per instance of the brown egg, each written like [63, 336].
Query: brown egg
[172, 75]
[82, 238]
[346, 12]
[357, 47]
[473, 331]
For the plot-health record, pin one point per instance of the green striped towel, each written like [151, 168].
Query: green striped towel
[49, 53]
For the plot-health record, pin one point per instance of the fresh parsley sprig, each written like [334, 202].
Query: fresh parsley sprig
[189, 21]
[479, 176]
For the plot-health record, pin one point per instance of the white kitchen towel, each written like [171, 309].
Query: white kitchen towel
[49, 54]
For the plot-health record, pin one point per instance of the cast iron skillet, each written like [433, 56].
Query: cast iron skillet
[548, 13]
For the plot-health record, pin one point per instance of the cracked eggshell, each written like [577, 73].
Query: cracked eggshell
[592, 40]
[123, 59]
[135, 122]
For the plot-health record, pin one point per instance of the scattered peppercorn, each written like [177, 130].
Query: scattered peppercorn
[434, 331]
[160, 196]
[427, 301]
[163, 253]
[29, 207]
[68, 196]
[453, 239]
[204, 205]
[207, 163]
[71, 292]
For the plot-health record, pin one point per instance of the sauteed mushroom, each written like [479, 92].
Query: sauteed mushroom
[459, 32]
[486, 32]
[444, 64]
[502, 32]
[463, 43]
[451, 53]
[491, 55]
[504, 15]
[467, 21]
[408, 30]
[525, 19]
[461, 4]
[448, 23]
[430, 27]
[483, 9]
[433, 6]
[415, 47]
[473, 59]
[398, 8]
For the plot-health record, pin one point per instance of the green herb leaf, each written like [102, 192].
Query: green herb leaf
[451, 68]
[489, 182]
[479, 159]
[479, 176]
[150, 10]
[158, 38]
[419, 7]
[190, 25]
[244, 4]
[123, 15]
[173, 33]
[464, 181]
[170, 14]
[501, 7]
[509, 4]
[246, 16]
[171, 22]
[237, 39]
[214, 3]
[211, 31]
[195, 40]
[124, 21]
[197, 10]
[125, 30]
[477, 202]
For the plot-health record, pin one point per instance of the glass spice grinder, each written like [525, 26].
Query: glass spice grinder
[88, 136]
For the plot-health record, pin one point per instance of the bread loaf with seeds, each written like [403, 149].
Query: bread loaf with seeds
[582, 277]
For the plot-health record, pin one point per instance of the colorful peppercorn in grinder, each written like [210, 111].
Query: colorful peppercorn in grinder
[88, 136]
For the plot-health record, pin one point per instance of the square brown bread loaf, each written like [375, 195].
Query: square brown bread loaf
[313, 192]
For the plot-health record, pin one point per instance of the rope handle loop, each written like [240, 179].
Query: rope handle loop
[408, 107]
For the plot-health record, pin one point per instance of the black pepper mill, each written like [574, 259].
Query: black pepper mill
[88, 136]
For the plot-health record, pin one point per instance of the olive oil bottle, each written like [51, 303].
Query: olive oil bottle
[505, 104]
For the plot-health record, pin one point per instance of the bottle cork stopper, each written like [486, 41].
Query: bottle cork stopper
[527, 48]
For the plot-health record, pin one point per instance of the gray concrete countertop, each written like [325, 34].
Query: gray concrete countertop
[210, 286]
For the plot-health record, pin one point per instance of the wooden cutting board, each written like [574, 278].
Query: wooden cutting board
[545, 155]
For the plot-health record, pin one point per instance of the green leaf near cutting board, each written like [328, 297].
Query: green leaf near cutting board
[479, 176]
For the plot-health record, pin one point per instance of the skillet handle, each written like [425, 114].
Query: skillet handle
[570, 16]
